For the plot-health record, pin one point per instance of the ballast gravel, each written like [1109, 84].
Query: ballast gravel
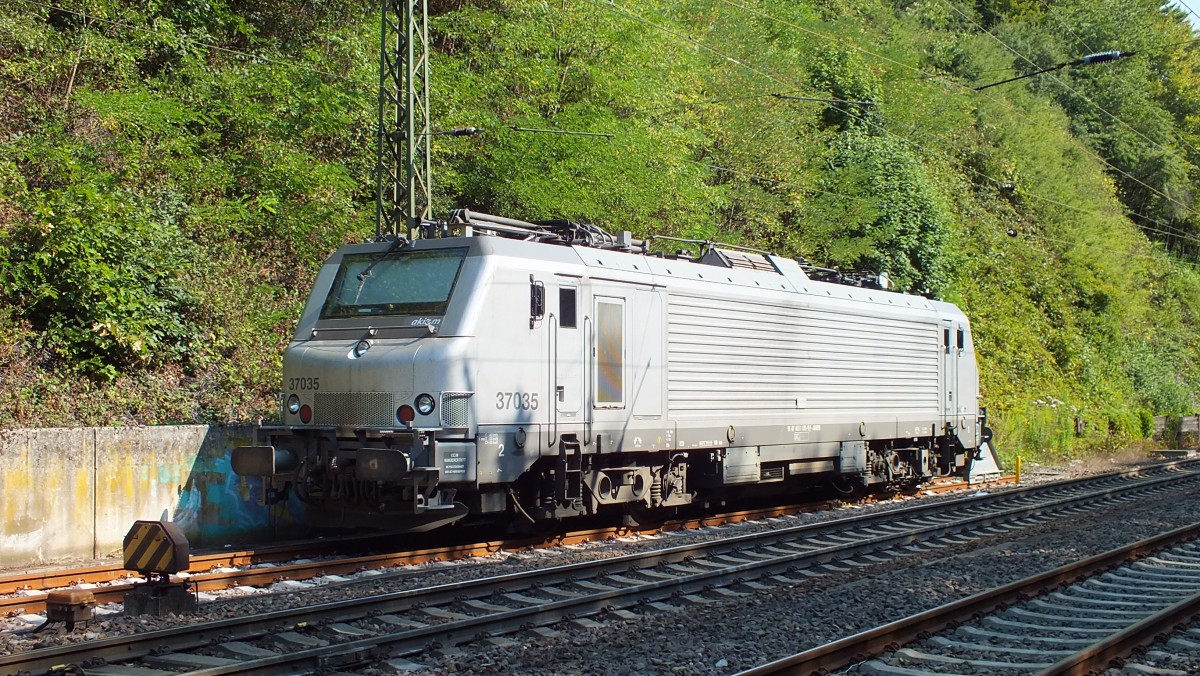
[728, 637]
[719, 637]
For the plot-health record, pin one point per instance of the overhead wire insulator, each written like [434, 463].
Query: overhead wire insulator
[1098, 57]
[1103, 57]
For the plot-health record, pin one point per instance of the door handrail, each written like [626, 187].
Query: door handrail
[589, 404]
[551, 392]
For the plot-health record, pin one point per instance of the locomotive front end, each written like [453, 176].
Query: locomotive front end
[374, 416]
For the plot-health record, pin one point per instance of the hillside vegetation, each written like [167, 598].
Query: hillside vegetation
[172, 174]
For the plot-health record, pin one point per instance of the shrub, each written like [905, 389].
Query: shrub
[102, 280]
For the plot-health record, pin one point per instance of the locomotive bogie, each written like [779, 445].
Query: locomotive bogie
[491, 375]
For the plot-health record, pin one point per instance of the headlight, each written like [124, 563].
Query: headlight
[425, 404]
[293, 404]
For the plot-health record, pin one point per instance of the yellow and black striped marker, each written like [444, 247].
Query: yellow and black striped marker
[156, 547]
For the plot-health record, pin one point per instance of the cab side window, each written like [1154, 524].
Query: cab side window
[566, 308]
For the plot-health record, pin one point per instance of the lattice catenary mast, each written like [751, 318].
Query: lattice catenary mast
[402, 166]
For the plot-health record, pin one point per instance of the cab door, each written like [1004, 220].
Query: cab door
[949, 373]
[958, 375]
[966, 376]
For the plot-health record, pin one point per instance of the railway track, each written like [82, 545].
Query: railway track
[1175, 654]
[1078, 619]
[400, 626]
[26, 592]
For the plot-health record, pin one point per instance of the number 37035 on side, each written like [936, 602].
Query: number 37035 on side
[518, 401]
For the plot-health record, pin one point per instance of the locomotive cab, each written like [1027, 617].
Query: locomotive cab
[361, 415]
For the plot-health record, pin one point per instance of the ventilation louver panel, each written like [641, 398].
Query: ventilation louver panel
[746, 260]
[456, 411]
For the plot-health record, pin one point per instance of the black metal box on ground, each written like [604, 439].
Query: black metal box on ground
[159, 599]
[156, 549]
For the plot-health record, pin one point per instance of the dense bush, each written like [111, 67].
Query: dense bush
[172, 174]
[103, 280]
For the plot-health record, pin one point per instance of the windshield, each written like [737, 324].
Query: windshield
[404, 282]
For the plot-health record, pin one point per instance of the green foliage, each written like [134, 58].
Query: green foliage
[563, 73]
[845, 76]
[1041, 432]
[171, 174]
[164, 200]
[899, 224]
[103, 279]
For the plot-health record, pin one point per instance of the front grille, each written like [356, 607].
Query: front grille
[456, 411]
[354, 409]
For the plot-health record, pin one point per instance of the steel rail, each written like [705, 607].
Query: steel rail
[199, 563]
[943, 518]
[859, 647]
[202, 577]
[363, 650]
[1097, 657]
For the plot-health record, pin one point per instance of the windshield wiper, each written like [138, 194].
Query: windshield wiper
[398, 243]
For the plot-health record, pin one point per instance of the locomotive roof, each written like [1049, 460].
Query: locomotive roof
[465, 223]
[627, 261]
[568, 243]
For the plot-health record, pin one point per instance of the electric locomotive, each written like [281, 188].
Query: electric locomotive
[537, 371]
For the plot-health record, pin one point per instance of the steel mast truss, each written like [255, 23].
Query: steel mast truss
[403, 173]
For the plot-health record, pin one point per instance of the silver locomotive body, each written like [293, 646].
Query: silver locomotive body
[489, 375]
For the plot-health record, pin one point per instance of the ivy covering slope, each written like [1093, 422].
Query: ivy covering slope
[172, 174]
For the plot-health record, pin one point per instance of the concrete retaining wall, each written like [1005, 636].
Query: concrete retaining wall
[72, 494]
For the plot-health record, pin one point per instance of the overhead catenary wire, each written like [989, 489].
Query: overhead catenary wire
[1075, 36]
[741, 63]
[1090, 59]
[1154, 257]
[828, 102]
[1178, 233]
[932, 76]
[1175, 231]
[612, 5]
[768, 179]
[966, 168]
[564, 132]
[1184, 5]
[1074, 91]
[761, 93]
[792, 97]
